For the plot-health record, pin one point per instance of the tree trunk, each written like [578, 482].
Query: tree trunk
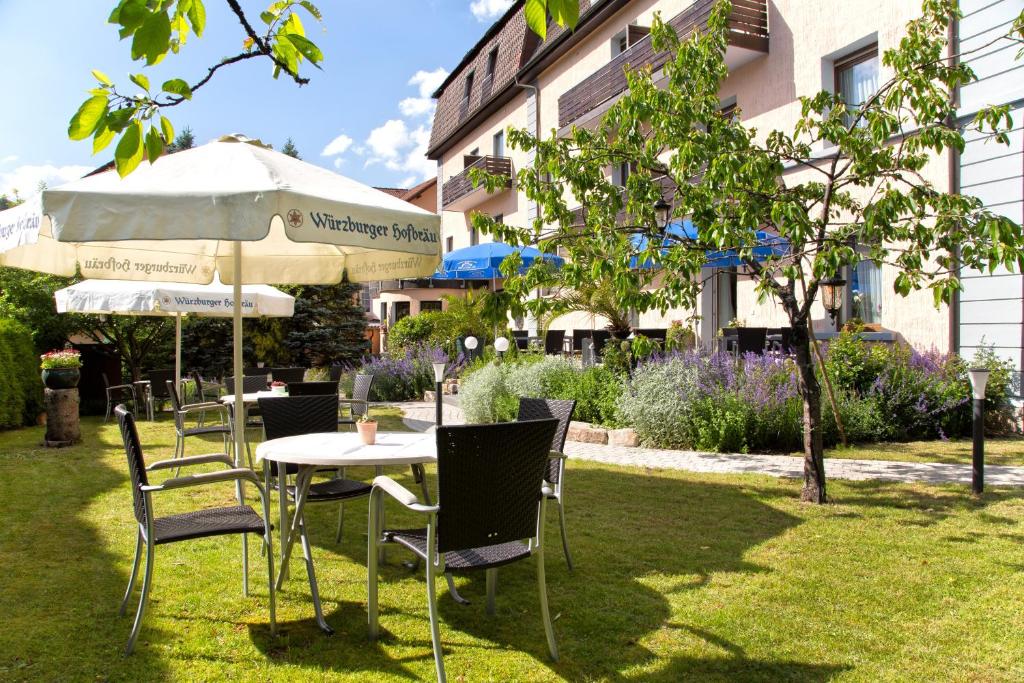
[810, 390]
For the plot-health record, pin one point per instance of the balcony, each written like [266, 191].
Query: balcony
[459, 194]
[747, 38]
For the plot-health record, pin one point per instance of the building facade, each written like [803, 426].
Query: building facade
[778, 50]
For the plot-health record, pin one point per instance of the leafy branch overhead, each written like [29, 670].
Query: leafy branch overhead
[157, 28]
[564, 12]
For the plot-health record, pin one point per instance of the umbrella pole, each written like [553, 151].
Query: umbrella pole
[177, 352]
[236, 338]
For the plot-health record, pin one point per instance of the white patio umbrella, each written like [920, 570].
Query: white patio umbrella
[231, 207]
[126, 297]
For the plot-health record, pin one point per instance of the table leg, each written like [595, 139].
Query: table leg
[282, 505]
[378, 471]
[303, 479]
[313, 589]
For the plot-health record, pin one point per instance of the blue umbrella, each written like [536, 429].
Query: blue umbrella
[483, 261]
[768, 246]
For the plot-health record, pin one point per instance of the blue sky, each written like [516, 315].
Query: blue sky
[364, 115]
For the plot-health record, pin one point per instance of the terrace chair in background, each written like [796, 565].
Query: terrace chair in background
[491, 505]
[153, 531]
[543, 409]
[554, 342]
[359, 404]
[198, 410]
[293, 415]
[250, 384]
[287, 375]
[313, 389]
[118, 393]
[157, 394]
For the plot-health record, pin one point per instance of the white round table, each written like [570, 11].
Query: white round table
[333, 450]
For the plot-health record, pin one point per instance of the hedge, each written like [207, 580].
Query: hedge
[21, 390]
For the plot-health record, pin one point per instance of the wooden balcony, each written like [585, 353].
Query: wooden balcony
[747, 37]
[459, 194]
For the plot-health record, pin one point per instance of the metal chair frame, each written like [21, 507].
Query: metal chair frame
[142, 494]
[359, 404]
[200, 410]
[119, 393]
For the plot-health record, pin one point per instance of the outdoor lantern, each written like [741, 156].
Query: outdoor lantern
[438, 380]
[471, 343]
[662, 212]
[833, 290]
[439, 371]
[979, 379]
[501, 344]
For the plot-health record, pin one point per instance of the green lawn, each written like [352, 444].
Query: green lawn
[998, 451]
[679, 577]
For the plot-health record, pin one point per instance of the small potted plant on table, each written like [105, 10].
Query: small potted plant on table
[367, 428]
[60, 368]
[279, 388]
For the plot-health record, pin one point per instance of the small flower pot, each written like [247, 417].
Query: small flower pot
[367, 432]
[61, 378]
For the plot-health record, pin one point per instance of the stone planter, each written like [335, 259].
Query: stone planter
[61, 378]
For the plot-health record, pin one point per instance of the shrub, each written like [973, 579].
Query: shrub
[484, 396]
[402, 377]
[415, 329]
[21, 390]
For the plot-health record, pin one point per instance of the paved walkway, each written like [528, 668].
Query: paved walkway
[420, 417]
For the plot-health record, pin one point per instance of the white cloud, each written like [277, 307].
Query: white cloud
[428, 81]
[339, 162]
[409, 181]
[25, 179]
[416, 106]
[489, 10]
[9, 158]
[387, 140]
[337, 146]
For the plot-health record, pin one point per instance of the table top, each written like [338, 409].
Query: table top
[346, 449]
[249, 398]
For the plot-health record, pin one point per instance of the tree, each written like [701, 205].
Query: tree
[328, 328]
[290, 149]
[184, 140]
[159, 28]
[867, 191]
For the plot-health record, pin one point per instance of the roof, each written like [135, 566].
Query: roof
[418, 191]
[394, 191]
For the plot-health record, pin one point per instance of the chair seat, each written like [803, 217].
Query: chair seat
[210, 522]
[207, 429]
[460, 560]
[334, 489]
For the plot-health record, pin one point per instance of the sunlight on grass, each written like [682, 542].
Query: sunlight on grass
[679, 577]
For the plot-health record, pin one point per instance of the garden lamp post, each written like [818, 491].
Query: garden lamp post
[833, 290]
[979, 378]
[471, 343]
[438, 379]
[501, 346]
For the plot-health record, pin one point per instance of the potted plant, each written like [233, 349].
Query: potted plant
[60, 368]
[367, 428]
[279, 388]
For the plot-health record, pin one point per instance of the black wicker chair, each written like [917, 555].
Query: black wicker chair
[541, 409]
[287, 375]
[293, 415]
[313, 389]
[554, 342]
[154, 531]
[206, 389]
[157, 395]
[359, 404]
[119, 393]
[490, 481]
[250, 384]
[200, 411]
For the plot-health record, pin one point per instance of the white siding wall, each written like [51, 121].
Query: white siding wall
[991, 308]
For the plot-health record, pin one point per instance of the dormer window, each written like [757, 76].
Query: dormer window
[492, 62]
[469, 85]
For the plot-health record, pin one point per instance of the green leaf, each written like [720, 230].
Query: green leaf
[102, 138]
[128, 153]
[537, 17]
[268, 17]
[153, 39]
[140, 80]
[197, 17]
[154, 144]
[565, 12]
[119, 118]
[178, 87]
[101, 77]
[312, 9]
[167, 128]
[130, 14]
[306, 47]
[88, 116]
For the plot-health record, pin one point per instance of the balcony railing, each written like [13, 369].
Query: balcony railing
[459, 194]
[748, 29]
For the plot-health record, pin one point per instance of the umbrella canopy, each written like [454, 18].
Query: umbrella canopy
[483, 261]
[125, 297]
[232, 207]
[768, 246]
[179, 219]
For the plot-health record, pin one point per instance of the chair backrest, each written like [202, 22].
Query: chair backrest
[293, 415]
[600, 338]
[254, 372]
[136, 463]
[489, 482]
[312, 388]
[553, 341]
[197, 379]
[287, 375]
[361, 392]
[250, 384]
[751, 339]
[545, 409]
[335, 372]
[158, 382]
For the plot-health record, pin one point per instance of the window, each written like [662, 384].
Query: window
[620, 173]
[499, 144]
[474, 238]
[449, 243]
[866, 291]
[856, 79]
[469, 85]
[728, 111]
[492, 62]
[401, 310]
[384, 312]
[620, 42]
[430, 306]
